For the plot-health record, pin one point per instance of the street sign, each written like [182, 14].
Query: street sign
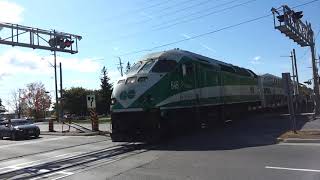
[91, 101]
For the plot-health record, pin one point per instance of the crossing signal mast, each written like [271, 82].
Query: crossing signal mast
[289, 23]
[36, 38]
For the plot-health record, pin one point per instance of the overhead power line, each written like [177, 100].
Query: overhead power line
[140, 9]
[170, 13]
[197, 36]
[210, 32]
[157, 28]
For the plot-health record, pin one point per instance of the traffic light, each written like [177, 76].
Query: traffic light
[280, 18]
[297, 15]
[307, 82]
[53, 42]
[68, 42]
[60, 42]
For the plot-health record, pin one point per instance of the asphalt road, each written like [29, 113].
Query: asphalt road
[244, 149]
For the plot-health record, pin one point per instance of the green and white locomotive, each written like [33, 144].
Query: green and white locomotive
[178, 90]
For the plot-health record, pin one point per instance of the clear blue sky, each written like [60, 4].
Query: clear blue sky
[112, 28]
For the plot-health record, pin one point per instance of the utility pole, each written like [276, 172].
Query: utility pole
[296, 68]
[293, 73]
[315, 79]
[288, 91]
[120, 66]
[19, 104]
[289, 23]
[61, 92]
[56, 84]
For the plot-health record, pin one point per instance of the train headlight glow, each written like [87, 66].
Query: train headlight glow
[131, 80]
[113, 101]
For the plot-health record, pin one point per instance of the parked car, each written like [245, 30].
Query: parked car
[18, 128]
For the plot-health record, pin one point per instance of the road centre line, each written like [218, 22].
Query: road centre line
[292, 169]
[33, 142]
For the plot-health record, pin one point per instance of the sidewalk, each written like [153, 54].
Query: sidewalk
[309, 131]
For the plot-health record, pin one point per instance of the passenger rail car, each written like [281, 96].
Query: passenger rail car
[178, 90]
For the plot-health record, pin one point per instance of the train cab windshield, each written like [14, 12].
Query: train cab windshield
[164, 66]
[158, 66]
[147, 66]
[135, 67]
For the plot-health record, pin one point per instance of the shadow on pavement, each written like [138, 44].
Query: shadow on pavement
[257, 130]
[22, 139]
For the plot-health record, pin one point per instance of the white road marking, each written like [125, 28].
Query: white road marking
[33, 142]
[30, 162]
[299, 144]
[63, 174]
[36, 162]
[292, 169]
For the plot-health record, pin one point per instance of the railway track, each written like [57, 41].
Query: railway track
[68, 163]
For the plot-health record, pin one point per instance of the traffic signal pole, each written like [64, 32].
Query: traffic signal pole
[56, 85]
[289, 23]
[61, 92]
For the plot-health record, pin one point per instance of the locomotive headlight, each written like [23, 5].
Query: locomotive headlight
[113, 101]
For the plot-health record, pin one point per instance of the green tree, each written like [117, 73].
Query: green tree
[103, 96]
[75, 101]
[2, 108]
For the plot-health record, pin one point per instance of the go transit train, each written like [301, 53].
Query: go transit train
[178, 90]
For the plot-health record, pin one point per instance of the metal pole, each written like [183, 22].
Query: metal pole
[56, 84]
[293, 72]
[315, 80]
[120, 66]
[296, 68]
[61, 92]
[19, 105]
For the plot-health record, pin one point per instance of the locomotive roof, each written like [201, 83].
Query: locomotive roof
[267, 75]
[177, 54]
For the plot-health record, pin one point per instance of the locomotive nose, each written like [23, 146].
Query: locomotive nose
[127, 92]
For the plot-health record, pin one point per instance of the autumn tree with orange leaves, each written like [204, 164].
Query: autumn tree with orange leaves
[36, 100]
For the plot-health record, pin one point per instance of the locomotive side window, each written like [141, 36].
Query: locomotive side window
[163, 66]
[227, 68]
[187, 69]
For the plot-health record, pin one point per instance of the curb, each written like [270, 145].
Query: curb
[75, 133]
[297, 140]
